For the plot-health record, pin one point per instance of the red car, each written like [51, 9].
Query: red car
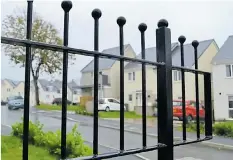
[190, 108]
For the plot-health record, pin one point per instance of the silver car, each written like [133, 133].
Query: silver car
[16, 104]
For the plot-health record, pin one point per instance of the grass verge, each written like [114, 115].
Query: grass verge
[81, 110]
[115, 114]
[55, 107]
[12, 150]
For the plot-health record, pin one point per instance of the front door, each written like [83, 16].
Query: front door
[139, 99]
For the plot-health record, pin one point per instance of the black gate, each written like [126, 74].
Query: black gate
[164, 71]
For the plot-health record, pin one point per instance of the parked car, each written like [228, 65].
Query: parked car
[190, 108]
[3, 103]
[16, 104]
[58, 101]
[14, 98]
[109, 104]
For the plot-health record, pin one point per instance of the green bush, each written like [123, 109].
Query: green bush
[52, 140]
[82, 111]
[220, 128]
[192, 126]
[223, 129]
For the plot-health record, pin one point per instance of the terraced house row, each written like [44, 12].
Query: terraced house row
[211, 58]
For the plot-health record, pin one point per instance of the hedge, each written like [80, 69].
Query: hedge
[219, 128]
[52, 140]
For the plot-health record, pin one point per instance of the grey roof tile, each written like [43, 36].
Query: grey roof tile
[103, 62]
[150, 55]
[225, 53]
[56, 84]
[188, 54]
[13, 82]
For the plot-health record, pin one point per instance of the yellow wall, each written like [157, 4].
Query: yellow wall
[6, 90]
[19, 89]
[204, 64]
[115, 73]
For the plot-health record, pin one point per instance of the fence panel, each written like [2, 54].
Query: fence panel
[164, 82]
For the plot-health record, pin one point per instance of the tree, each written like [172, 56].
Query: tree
[14, 26]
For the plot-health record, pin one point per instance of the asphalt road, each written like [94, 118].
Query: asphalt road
[109, 138]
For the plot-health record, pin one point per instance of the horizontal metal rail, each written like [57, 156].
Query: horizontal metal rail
[121, 153]
[40, 45]
[194, 141]
[58, 48]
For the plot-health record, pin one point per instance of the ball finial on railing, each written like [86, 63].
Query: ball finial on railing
[142, 27]
[195, 43]
[162, 23]
[96, 13]
[66, 5]
[121, 21]
[182, 39]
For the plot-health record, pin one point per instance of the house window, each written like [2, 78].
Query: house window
[58, 91]
[130, 97]
[8, 89]
[230, 102]
[177, 75]
[75, 92]
[229, 70]
[131, 76]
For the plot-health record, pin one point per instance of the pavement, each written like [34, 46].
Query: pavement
[136, 126]
[109, 137]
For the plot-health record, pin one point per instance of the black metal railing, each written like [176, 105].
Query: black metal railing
[164, 85]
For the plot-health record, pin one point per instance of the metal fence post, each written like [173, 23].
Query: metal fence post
[27, 82]
[66, 6]
[164, 90]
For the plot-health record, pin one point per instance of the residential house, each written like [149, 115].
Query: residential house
[223, 81]
[19, 89]
[75, 92]
[11, 88]
[109, 76]
[133, 91]
[48, 90]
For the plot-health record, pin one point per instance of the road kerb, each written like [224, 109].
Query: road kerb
[206, 143]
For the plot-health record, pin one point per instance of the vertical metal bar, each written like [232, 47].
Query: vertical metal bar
[121, 22]
[27, 81]
[195, 45]
[96, 14]
[208, 104]
[66, 6]
[164, 91]
[142, 27]
[182, 39]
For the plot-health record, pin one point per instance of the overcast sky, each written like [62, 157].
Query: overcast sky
[199, 20]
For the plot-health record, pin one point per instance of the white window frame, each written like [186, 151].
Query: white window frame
[177, 76]
[231, 70]
[131, 98]
[131, 76]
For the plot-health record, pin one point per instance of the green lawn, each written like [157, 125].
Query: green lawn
[55, 107]
[80, 110]
[117, 115]
[12, 150]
